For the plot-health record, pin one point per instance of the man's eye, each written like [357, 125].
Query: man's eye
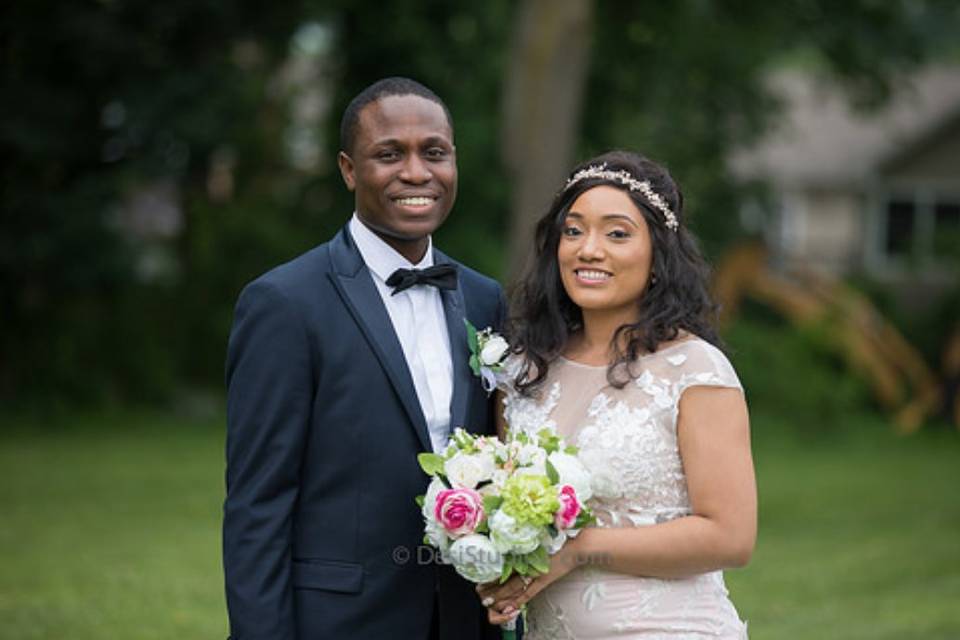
[387, 156]
[436, 153]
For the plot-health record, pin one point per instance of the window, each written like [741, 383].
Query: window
[946, 239]
[901, 218]
[923, 226]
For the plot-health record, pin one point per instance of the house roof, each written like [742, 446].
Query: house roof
[821, 141]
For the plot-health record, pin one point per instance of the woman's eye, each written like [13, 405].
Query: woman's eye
[619, 234]
[571, 231]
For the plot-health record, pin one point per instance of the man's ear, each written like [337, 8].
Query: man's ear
[346, 170]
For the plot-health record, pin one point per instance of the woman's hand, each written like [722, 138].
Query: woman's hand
[504, 601]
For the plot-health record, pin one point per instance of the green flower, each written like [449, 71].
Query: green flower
[530, 499]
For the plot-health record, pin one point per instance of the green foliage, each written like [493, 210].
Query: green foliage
[105, 99]
[431, 463]
[797, 373]
[682, 82]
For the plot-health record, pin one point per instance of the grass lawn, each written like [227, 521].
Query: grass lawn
[109, 528]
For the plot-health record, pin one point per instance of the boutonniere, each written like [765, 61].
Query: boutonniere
[488, 352]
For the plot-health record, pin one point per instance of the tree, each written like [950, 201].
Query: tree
[542, 100]
[683, 82]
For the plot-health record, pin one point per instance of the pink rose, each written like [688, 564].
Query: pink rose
[459, 511]
[569, 508]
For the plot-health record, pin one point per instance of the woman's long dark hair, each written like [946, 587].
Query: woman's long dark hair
[544, 316]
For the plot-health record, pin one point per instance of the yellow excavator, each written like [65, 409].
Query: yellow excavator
[901, 381]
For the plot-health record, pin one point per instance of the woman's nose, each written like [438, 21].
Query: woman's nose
[592, 247]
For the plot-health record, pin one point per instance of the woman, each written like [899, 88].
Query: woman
[616, 350]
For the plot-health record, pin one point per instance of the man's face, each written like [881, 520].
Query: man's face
[402, 170]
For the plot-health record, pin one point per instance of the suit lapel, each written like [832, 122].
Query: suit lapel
[455, 312]
[355, 284]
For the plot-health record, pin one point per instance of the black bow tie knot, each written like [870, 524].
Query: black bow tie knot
[442, 276]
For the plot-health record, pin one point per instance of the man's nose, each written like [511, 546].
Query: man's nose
[415, 170]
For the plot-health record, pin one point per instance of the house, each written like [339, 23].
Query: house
[854, 191]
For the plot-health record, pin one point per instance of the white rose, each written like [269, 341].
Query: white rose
[467, 470]
[572, 472]
[553, 544]
[476, 558]
[530, 454]
[603, 479]
[434, 530]
[493, 351]
[437, 536]
[509, 536]
[537, 468]
[500, 477]
[430, 499]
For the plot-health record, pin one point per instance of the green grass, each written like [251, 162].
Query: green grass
[859, 536]
[109, 528]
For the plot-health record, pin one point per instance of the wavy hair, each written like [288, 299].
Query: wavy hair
[543, 315]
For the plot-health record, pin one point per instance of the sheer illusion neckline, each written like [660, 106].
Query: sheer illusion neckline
[584, 365]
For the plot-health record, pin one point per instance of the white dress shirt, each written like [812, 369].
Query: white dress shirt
[420, 323]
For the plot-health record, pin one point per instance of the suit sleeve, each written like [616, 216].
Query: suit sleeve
[269, 397]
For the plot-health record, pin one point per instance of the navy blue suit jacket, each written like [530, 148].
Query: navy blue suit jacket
[321, 531]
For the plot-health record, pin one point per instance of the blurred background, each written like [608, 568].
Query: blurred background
[158, 156]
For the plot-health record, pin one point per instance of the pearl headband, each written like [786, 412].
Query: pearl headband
[624, 178]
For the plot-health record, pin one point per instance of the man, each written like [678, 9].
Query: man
[340, 369]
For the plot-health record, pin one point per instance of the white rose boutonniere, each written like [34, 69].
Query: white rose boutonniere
[488, 351]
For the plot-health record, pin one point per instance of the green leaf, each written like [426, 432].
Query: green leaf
[584, 518]
[475, 364]
[552, 473]
[521, 565]
[507, 569]
[431, 463]
[491, 503]
[539, 560]
[420, 500]
[548, 440]
[471, 336]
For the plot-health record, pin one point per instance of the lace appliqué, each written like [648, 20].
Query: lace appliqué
[530, 415]
[633, 456]
[545, 621]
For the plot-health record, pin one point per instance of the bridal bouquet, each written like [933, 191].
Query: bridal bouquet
[497, 508]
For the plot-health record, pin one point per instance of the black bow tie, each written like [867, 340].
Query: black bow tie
[442, 276]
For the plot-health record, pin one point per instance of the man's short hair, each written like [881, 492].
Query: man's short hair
[396, 86]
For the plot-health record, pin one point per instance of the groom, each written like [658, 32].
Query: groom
[342, 366]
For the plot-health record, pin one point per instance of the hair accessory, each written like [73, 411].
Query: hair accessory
[623, 177]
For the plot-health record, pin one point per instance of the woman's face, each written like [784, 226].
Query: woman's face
[605, 252]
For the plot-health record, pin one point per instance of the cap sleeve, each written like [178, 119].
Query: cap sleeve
[697, 363]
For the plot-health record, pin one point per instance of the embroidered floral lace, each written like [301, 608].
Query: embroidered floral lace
[628, 440]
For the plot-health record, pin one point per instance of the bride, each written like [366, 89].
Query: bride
[615, 349]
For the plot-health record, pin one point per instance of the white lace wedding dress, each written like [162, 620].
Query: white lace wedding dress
[628, 440]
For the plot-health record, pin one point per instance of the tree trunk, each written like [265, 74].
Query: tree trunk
[541, 110]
